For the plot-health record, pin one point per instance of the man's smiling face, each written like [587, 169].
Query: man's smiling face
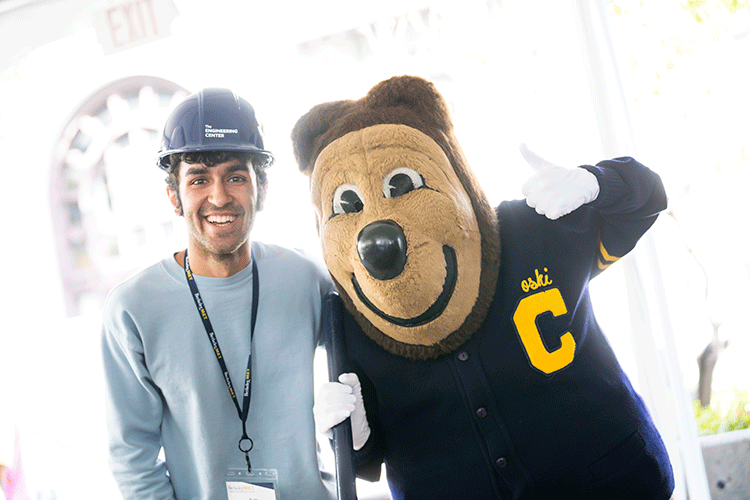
[219, 205]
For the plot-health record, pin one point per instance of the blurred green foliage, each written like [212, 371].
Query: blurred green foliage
[701, 9]
[727, 412]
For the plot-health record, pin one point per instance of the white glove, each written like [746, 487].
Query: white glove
[556, 191]
[337, 401]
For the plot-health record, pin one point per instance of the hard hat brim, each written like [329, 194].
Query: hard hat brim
[266, 156]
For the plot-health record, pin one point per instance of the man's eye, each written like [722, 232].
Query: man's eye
[237, 178]
[347, 199]
[197, 181]
[401, 181]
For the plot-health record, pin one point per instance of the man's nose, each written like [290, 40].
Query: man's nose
[219, 194]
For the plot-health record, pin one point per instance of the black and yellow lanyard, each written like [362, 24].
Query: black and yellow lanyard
[245, 444]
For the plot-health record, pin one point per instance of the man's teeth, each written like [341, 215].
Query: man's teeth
[220, 219]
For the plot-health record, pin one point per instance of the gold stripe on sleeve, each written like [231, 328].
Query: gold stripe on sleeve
[605, 259]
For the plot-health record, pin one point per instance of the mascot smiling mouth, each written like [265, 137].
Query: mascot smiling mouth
[435, 310]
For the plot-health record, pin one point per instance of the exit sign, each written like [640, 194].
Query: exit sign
[125, 24]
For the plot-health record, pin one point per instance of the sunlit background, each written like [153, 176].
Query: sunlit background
[86, 85]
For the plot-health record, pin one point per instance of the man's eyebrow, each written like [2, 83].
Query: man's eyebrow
[200, 169]
[238, 167]
[196, 170]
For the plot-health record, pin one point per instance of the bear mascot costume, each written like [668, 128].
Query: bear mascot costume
[476, 367]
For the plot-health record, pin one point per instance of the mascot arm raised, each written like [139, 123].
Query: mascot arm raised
[628, 195]
[630, 198]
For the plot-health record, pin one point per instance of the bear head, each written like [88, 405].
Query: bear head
[407, 234]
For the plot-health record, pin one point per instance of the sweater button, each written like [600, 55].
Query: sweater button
[501, 462]
[463, 355]
[482, 412]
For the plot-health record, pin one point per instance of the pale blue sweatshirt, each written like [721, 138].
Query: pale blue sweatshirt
[164, 386]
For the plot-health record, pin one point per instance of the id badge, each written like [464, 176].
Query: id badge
[259, 484]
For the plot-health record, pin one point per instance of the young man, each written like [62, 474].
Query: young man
[208, 354]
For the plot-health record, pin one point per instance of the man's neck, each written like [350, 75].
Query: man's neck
[203, 264]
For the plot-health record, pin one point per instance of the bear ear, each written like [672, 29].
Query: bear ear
[412, 94]
[309, 130]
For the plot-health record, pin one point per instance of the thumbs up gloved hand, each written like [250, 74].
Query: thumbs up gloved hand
[556, 191]
[335, 402]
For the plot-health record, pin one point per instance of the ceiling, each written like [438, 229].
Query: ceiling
[28, 24]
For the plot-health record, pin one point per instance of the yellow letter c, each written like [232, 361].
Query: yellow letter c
[525, 319]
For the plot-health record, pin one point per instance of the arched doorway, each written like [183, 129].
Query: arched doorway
[109, 209]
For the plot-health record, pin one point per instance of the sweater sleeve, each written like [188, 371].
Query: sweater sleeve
[134, 412]
[631, 196]
[369, 458]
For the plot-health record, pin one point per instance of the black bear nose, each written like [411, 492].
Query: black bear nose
[381, 247]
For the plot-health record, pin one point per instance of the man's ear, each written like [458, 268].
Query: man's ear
[174, 199]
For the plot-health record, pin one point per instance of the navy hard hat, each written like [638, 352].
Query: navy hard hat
[212, 119]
